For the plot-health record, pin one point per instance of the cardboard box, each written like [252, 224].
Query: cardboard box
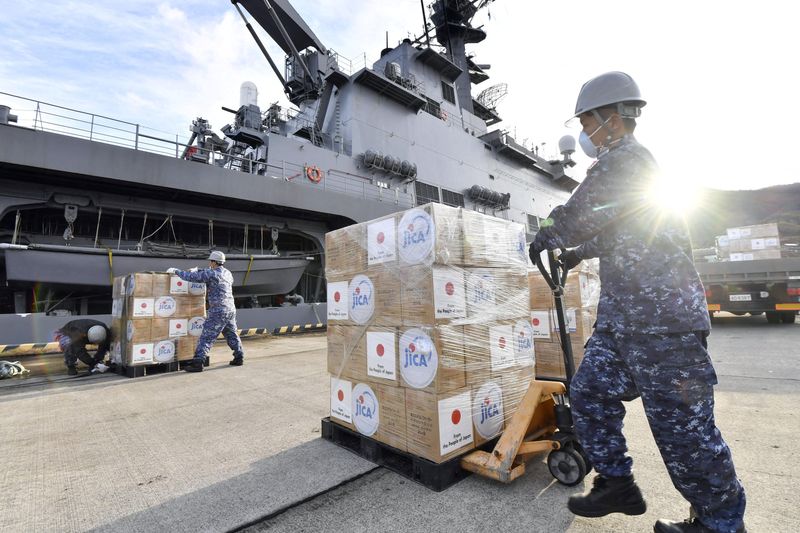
[488, 349]
[345, 252]
[372, 298]
[540, 323]
[430, 234]
[488, 415]
[515, 385]
[169, 328]
[580, 323]
[541, 296]
[138, 330]
[753, 232]
[185, 347]
[432, 358]
[550, 358]
[581, 290]
[439, 426]
[137, 353]
[381, 242]
[432, 295]
[379, 411]
[341, 403]
[347, 352]
[139, 284]
[495, 294]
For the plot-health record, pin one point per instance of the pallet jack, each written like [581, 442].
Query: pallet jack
[543, 421]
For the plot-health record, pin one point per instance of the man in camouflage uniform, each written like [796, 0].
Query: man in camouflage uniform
[652, 323]
[221, 310]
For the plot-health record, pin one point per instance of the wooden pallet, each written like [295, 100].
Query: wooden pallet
[138, 371]
[435, 476]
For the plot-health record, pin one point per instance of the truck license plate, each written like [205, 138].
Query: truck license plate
[740, 298]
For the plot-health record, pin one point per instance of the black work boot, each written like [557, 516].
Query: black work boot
[237, 361]
[72, 371]
[609, 495]
[692, 525]
[193, 366]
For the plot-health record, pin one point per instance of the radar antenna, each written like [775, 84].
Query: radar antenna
[488, 98]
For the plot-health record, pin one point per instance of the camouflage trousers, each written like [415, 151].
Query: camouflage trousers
[674, 377]
[219, 322]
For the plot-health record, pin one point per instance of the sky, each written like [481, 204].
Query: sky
[722, 95]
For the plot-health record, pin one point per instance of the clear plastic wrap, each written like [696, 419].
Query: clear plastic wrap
[156, 318]
[581, 294]
[430, 346]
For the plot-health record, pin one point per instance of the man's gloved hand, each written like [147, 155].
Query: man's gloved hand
[99, 367]
[171, 270]
[193, 269]
[537, 247]
[570, 259]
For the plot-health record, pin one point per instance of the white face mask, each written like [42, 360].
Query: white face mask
[585, 140]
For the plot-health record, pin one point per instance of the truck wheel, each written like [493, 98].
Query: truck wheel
[773, 317]
[787, 317]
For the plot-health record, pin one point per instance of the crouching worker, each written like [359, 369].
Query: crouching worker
[73, 337]
[221, 310]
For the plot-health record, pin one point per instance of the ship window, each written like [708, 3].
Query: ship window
[448, 93]
[426, 193]
[453, 199]
[432, 107]
[533, 224]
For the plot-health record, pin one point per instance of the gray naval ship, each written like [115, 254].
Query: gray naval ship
[85, 197]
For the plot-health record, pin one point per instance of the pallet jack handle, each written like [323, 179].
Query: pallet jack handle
[556, 279]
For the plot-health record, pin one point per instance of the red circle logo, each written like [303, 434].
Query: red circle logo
[358, 290]
[337, 296]
[143, 351]
[144, 305]
[487, 401]
[456, 416]
[502, 342]
[521, 333]
[412, 347]
[381, 237]
[340, 395]
[380, 350]
[411, 227]
[178, 326]
[180, 284]
[360, 399]
[535, 321]
[449, 288]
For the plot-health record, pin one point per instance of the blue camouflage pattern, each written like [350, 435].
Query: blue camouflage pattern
[674, 376]
[221, 310]
[219, 286]
[648, 280]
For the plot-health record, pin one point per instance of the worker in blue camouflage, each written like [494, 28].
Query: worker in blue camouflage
[221, 310]
[652, 322]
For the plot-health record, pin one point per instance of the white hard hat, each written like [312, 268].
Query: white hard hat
[608, 89]
[96, 334]
[219, 257]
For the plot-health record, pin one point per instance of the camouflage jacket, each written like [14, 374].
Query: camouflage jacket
[648, 281]
[219, 287]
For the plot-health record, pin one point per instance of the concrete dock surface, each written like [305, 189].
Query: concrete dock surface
[237, 448]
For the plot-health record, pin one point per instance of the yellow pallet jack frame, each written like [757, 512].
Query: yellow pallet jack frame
[543, 421]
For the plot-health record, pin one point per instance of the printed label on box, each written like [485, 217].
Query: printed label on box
[166, 306]
[481, 290]
[736, 257]
[772, 242]
[130, 284]
[142, 353]
[179, 327]
[540, 322]
[381, 355]
[501, 347]
[449, 294]
[143, 307]
[381, 242]
[416, 237]
[337, 300]
[196, 326]
[747, 257]
[164, 351]
[744, 232]
[341, 394]
[487, 410]
[723, 241]
[366, 415]
[523, 343]
[569, 317]
[361, 293]
[178, 286]
[734, 233]
[418, 358]
[116, 307]
[197, 289]
[455, 423]
[757, 244]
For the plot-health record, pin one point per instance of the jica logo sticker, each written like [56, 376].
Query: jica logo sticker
[365, 410]
[164, 351]
[487, 410]
[416, 234]
[196, 326]
[418, 358]
[166, 306]
[362, 299]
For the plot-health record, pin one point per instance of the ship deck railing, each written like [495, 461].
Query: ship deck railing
[52, 118]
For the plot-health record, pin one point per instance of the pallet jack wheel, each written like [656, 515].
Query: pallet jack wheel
[567, 466]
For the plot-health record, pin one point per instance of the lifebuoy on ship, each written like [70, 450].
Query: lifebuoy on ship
[314, 174]
[443, 115]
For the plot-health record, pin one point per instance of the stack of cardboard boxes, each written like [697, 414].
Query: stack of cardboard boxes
[749, 243]
[157, 318]
[429, 344]
[581, 294]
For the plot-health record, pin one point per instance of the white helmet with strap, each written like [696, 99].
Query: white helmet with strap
[216, 256]
[609, 89]
[96, 334]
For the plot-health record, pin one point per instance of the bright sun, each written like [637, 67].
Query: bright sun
[677, 196]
